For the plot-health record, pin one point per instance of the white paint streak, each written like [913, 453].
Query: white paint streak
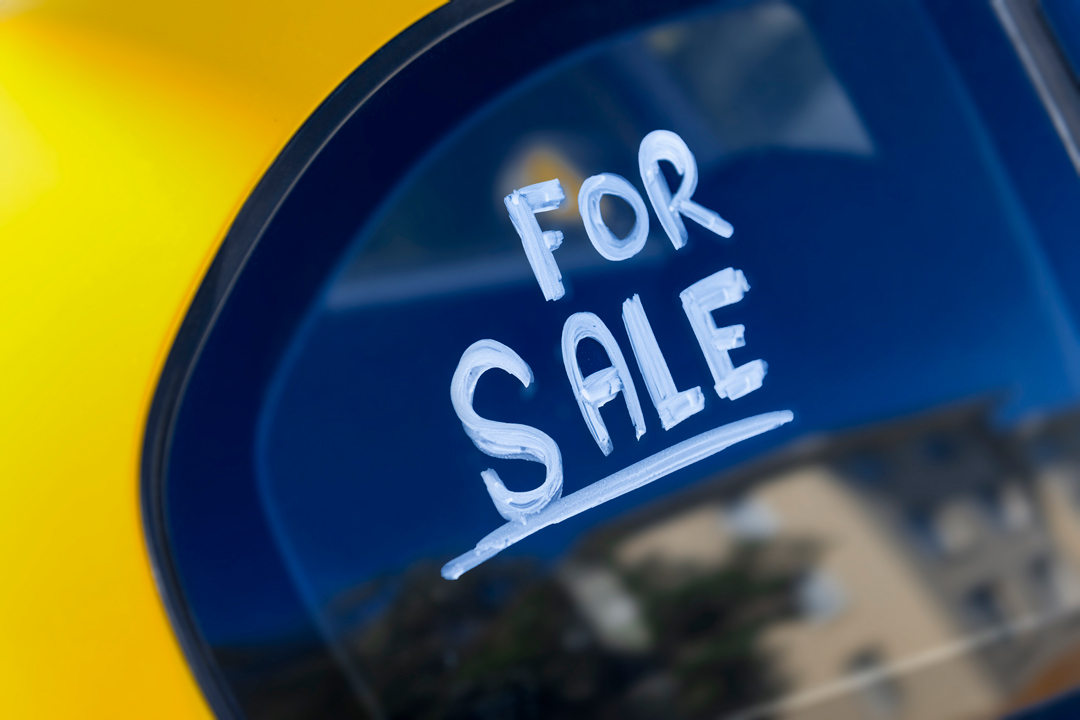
[627, 480]
[699, 301]
[505, 440]
[907, 666]
[523, 205]
[671, 405]
[665, 145]
[601, 236]
[596, 390]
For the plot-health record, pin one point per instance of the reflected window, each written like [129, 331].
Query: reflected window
[922, 526]
[868, 467]
[1045, 449]
[1073, 488]
[821, 597]
[750, 519]
[1043, 580]
[940, 449]
[956, 528]
[1008, 508]
[879, 690]
[1054, 584]
[612, 613]
[982, 605]
[947, 530]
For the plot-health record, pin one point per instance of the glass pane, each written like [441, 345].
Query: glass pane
[845, 452]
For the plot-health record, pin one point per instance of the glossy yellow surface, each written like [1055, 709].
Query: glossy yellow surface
[130, 134]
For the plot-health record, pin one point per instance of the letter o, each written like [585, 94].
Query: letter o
[602, 238]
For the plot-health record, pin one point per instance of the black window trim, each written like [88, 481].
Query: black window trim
[254, 217]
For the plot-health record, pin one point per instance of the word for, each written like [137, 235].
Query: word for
[531, 510]
[657, 146]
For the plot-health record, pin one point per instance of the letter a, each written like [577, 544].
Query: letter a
[594, 391]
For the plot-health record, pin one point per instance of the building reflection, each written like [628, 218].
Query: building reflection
[928, 567]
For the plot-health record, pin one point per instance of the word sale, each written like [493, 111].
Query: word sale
[531, 510]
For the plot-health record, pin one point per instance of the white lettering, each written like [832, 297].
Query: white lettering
[600, 387]
[531, 511]
[523, 205]
[602, 238]
[671, 405]
[505, 440]
[666, 145]
[618, 484]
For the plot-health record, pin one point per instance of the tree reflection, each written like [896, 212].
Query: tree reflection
[511, 640]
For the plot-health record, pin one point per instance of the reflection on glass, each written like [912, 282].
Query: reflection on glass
[911, 550]
[786, 588]
[728, 83]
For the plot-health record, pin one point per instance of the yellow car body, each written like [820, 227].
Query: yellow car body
[130, 135]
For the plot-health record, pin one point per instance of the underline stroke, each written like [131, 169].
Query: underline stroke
[617, 484]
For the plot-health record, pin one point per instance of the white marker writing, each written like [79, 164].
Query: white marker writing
[505, 440]
[602, 238]
[523, 205]
[699, 300]
[531, 511]
[666, 145]
[600, 387]
[627, 480]
[671, 405]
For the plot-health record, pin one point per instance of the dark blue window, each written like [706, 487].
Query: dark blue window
[904, 220]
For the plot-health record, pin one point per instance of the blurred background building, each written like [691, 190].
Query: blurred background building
[924, 568]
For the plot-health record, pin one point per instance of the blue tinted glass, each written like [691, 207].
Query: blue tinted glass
[894, 309]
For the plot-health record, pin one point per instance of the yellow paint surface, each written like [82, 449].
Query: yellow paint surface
[130, 135]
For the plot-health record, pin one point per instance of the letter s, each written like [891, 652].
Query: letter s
[505, 440]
